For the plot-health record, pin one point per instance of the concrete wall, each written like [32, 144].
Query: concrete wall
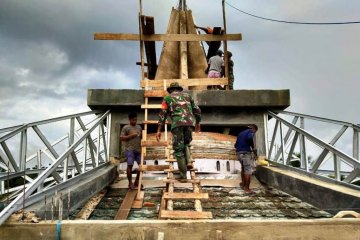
[328, 196]
[327, 229]
[231, 109]
[80, 192]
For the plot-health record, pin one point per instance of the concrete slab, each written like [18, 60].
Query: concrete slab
[270, 99]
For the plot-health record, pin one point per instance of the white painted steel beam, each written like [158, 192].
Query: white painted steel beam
[16, 204]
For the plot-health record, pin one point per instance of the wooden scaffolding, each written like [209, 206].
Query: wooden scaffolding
[182, 60]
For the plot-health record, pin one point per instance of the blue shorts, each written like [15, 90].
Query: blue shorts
[131, 156]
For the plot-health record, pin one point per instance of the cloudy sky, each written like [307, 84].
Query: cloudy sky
[48, 58]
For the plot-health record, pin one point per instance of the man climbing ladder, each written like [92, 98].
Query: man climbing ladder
[185, 116]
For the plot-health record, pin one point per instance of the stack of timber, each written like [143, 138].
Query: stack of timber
[205, 145]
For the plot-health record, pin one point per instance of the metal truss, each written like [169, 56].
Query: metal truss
[282, 147]
[82, 150]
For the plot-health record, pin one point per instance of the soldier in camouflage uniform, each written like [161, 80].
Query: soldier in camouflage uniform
[185, 116]
[231, 71]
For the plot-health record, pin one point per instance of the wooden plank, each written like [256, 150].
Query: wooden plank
[181, 195]
[168, 37]
[185, 215]
[162, 206]
[90, 206]
[185, 82]
[155, 93]
[150, 143]
[184, 73]
[149, 168]
[125, 206]
[197, 62]
[170, 160]
[177, 170]
[225, 45]
[174, 160]
[154, 122]
[177, 181]
[147, 23]
[138, 202]
[151, 106]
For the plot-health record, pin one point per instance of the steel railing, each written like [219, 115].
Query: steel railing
[282, 147]
[83, 148]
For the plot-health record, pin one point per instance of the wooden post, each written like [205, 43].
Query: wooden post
[141, 41]
[183, 48]
[225, 46]
[143, 149]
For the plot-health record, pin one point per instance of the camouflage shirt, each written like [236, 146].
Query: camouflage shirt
[181, 108]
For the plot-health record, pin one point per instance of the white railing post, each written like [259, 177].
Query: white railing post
[356, 144]
[98, 147]
[337, 170]
[282, 144]
[85, 156]
[266, 134]
[38, 157]
[303, 156]
[272, 144]
[108, 137]
[23, 149]
[2, 187]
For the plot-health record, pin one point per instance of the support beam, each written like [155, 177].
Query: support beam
[186, 83]
[168, 37]
[323, 154]
[288, 133]
[13, 165]
[291, 151]
[225, 45]
[183, 49]
[273, 138]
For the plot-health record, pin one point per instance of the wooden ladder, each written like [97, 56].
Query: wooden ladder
[145, 143]
[169, 195]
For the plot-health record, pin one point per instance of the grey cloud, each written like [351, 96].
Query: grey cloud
[315, 63]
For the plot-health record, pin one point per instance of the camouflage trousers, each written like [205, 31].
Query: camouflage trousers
[182, 136]
[231, 82]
